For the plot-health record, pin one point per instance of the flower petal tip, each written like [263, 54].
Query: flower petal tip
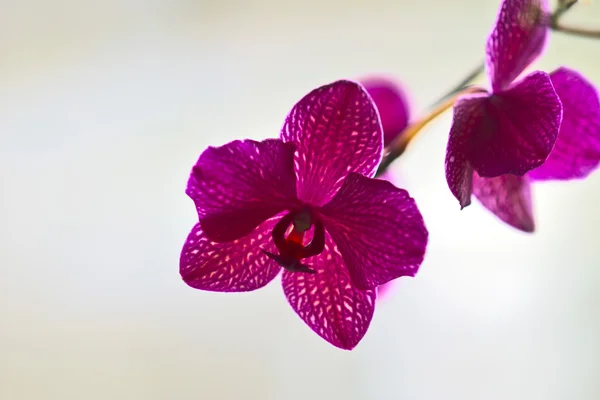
[528, 228]
[465, 204]
[508, 197]
[518, 37]
[328, 302]
[526, 225]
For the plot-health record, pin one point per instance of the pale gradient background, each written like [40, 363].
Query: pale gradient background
[106, 105]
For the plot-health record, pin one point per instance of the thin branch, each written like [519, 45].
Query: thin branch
[581, 32]
[460, 86]
[398, 145]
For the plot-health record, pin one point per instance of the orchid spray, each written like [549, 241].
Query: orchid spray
[317, 206]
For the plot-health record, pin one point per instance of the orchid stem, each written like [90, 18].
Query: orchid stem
[555, 25]
[587, 33]
[562, 7]
[458, 88]
[398, 145]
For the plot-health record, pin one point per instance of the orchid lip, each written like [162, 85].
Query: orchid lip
[291, 264]
[291, 247]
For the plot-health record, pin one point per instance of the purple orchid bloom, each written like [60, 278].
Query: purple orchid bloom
[574, 156]
[516, 40]
[512, 129]
[306, 204]
[391, 102]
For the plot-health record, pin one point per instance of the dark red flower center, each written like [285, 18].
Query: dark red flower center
[291, 247]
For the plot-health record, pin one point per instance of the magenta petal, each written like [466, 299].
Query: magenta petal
[508, 197]
[238, 266]
[378, 229]
[328, 302]
[518, 129]
[239, 185]
[468, 116]
[577, 149]
[517, 39]
[392, 106]
[337, 131]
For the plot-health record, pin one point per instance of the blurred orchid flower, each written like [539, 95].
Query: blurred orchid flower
[392, 104]
[394, 111]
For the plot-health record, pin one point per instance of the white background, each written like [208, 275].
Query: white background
[106, 105]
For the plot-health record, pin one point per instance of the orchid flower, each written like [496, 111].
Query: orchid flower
[544, 126]
[306, 204]
[574, 156]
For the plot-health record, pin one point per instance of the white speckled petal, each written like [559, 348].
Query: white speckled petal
[337, 130]
[238, 266]
[378, 229]
[328, 302]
